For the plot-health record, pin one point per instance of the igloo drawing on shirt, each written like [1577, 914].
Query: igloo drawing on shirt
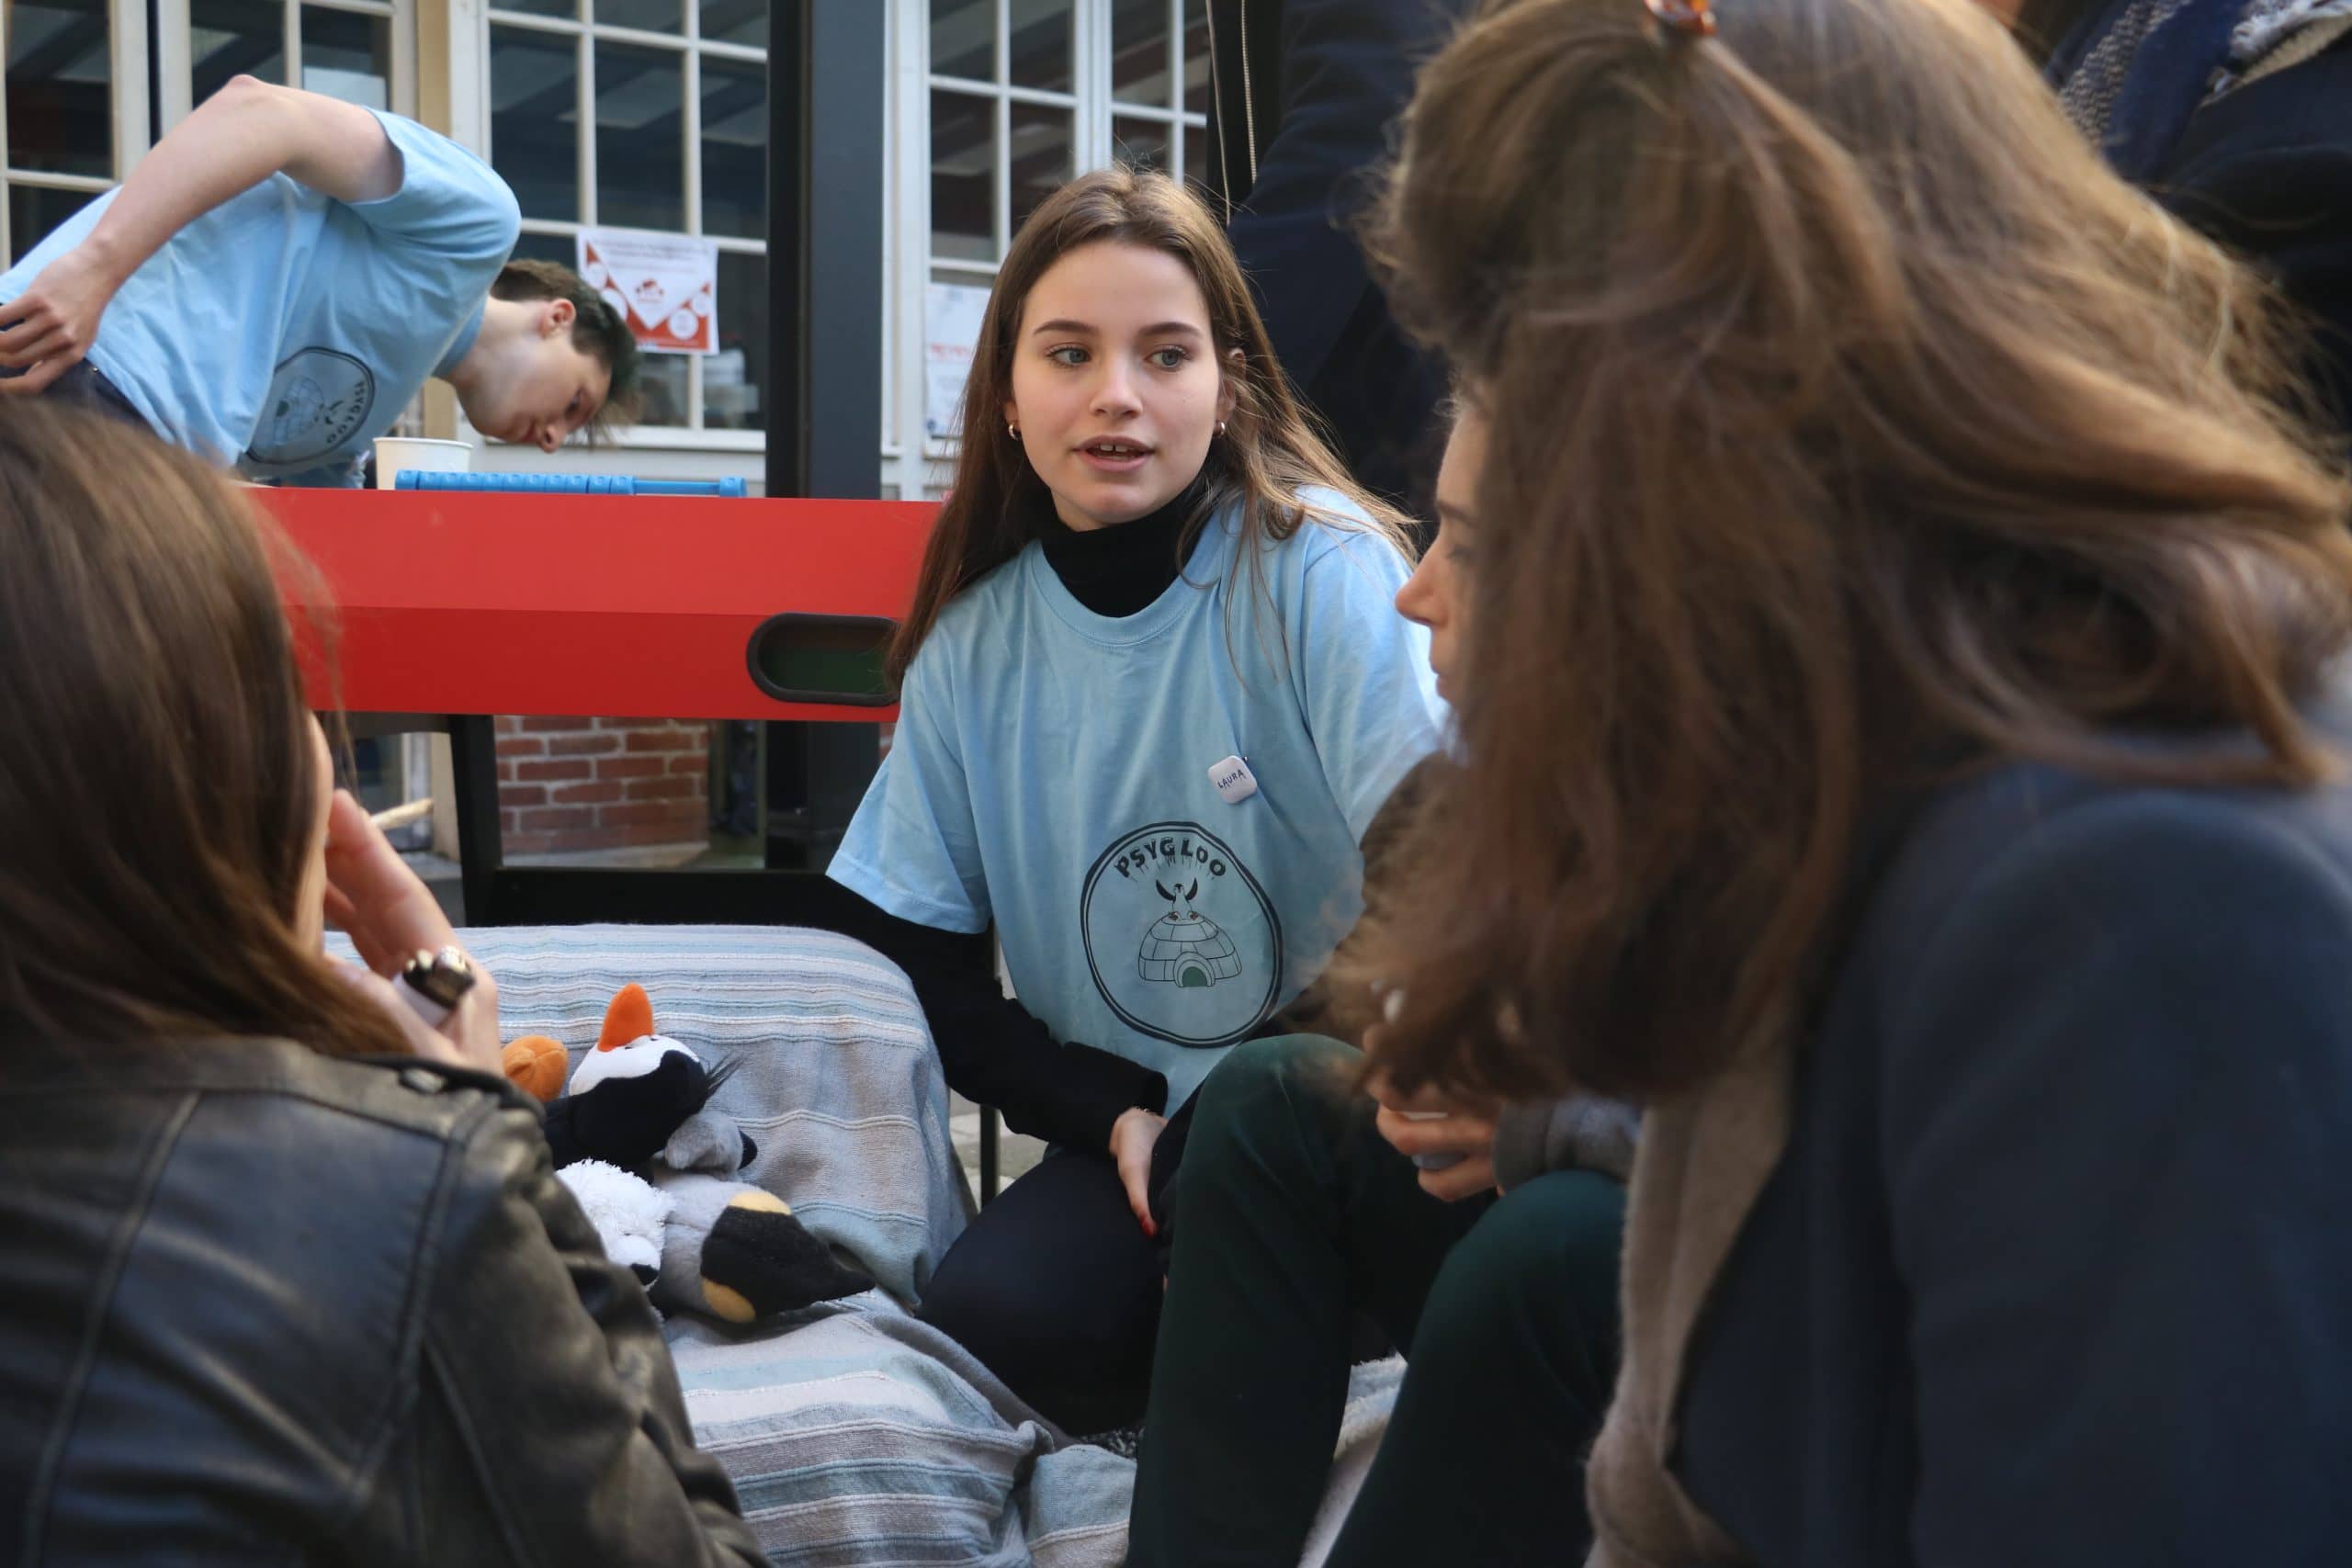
[1184, 948]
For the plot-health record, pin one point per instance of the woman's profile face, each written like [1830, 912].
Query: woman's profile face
[1438, 594]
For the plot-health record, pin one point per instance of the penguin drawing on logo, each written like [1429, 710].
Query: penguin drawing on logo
[1184, 948]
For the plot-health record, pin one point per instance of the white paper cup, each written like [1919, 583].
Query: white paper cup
[394, 453]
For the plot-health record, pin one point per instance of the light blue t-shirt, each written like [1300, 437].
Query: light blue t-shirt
[1052, 772]
[284, 331]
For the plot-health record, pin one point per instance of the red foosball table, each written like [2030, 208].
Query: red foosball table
[454, 607]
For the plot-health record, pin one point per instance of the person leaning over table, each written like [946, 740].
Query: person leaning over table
[279, 276]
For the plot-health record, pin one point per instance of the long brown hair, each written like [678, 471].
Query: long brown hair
[1269, 452]
[1844, 413]
[158, 784]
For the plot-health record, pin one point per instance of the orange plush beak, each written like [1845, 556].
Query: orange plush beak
[630, 1019]
[536, 1066]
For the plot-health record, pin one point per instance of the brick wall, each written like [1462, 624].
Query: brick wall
[602, 784]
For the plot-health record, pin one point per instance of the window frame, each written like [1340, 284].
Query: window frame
[127, 65]
[175, 51]
[914, 465]
[688, 42]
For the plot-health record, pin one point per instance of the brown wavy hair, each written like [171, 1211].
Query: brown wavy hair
[1844, 413]
[1270, 452]
[158, 784]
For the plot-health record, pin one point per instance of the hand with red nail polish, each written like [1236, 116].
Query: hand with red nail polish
[1132, 1137]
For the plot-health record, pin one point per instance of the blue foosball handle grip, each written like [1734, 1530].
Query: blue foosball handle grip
[567, 484]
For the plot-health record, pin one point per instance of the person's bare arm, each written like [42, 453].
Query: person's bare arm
[239, 136]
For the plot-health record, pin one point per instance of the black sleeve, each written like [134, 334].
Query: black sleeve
[1347, 71]
[2267, 171]
[994, 1051]
[2117, 1094]
[545, 1367]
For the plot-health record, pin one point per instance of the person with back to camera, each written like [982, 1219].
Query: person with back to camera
[1932, 808]
[281, 273]
[1903, 745]
[290, 1276]
[1153, 694]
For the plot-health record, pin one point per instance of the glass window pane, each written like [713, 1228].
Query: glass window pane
[348, 56]
[640, 136]
[1199, 97]
[736, 21]
[651, 15]
[734, 148]
[734, 379]
[560, 248]
[33, 212]
[541, 7]
[952, 309]
[1040, 156]
[1139, 52]
[534, 119]
[963, 39]
[1143, 142]
[963, 176]
[232, 38]
[1197, 157]
[1039, 49]
[61, 115]
[664, 384]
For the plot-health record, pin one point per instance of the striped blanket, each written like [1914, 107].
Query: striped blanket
[854, 1434]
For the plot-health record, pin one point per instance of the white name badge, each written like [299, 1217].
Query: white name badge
[1233, 780]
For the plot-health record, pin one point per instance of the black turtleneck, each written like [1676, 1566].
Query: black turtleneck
[1118, 570]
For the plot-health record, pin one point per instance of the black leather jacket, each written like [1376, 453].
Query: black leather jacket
[266, 1307]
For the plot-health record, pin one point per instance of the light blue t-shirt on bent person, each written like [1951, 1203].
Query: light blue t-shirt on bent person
[1052, 772]
[284, 331]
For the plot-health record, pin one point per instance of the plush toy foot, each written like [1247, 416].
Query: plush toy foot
[758, 1260]
[735, 1251]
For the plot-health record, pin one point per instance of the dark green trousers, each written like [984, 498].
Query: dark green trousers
[1292, 1216]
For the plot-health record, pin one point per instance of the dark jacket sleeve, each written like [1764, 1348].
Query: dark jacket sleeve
[2267, 170]
[1347, 71]
[2117, 1092]
[545, 1365]
[993, 1050]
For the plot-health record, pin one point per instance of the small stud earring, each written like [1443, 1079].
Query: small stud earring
[1220, 427]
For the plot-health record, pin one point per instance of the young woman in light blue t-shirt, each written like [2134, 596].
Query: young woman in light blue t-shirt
[1153, 691]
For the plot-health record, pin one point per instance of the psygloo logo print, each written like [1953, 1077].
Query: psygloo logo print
[1182, 943]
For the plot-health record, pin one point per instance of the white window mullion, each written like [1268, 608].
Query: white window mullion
[1090, 43]
[1001, 107]
[292, 42]
[127, 25]
[93, 183]
[586, 116]
[1176, 89]
[691, 122]
[1001, 111]
[911, 77]
[404, 99]
[174, 64]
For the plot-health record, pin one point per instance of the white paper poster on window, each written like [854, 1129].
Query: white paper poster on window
[951, 316]
[664, 285]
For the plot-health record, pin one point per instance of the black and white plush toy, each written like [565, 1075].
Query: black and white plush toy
[639, 1144]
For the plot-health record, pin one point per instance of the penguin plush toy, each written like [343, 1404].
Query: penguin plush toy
[639, 1144]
